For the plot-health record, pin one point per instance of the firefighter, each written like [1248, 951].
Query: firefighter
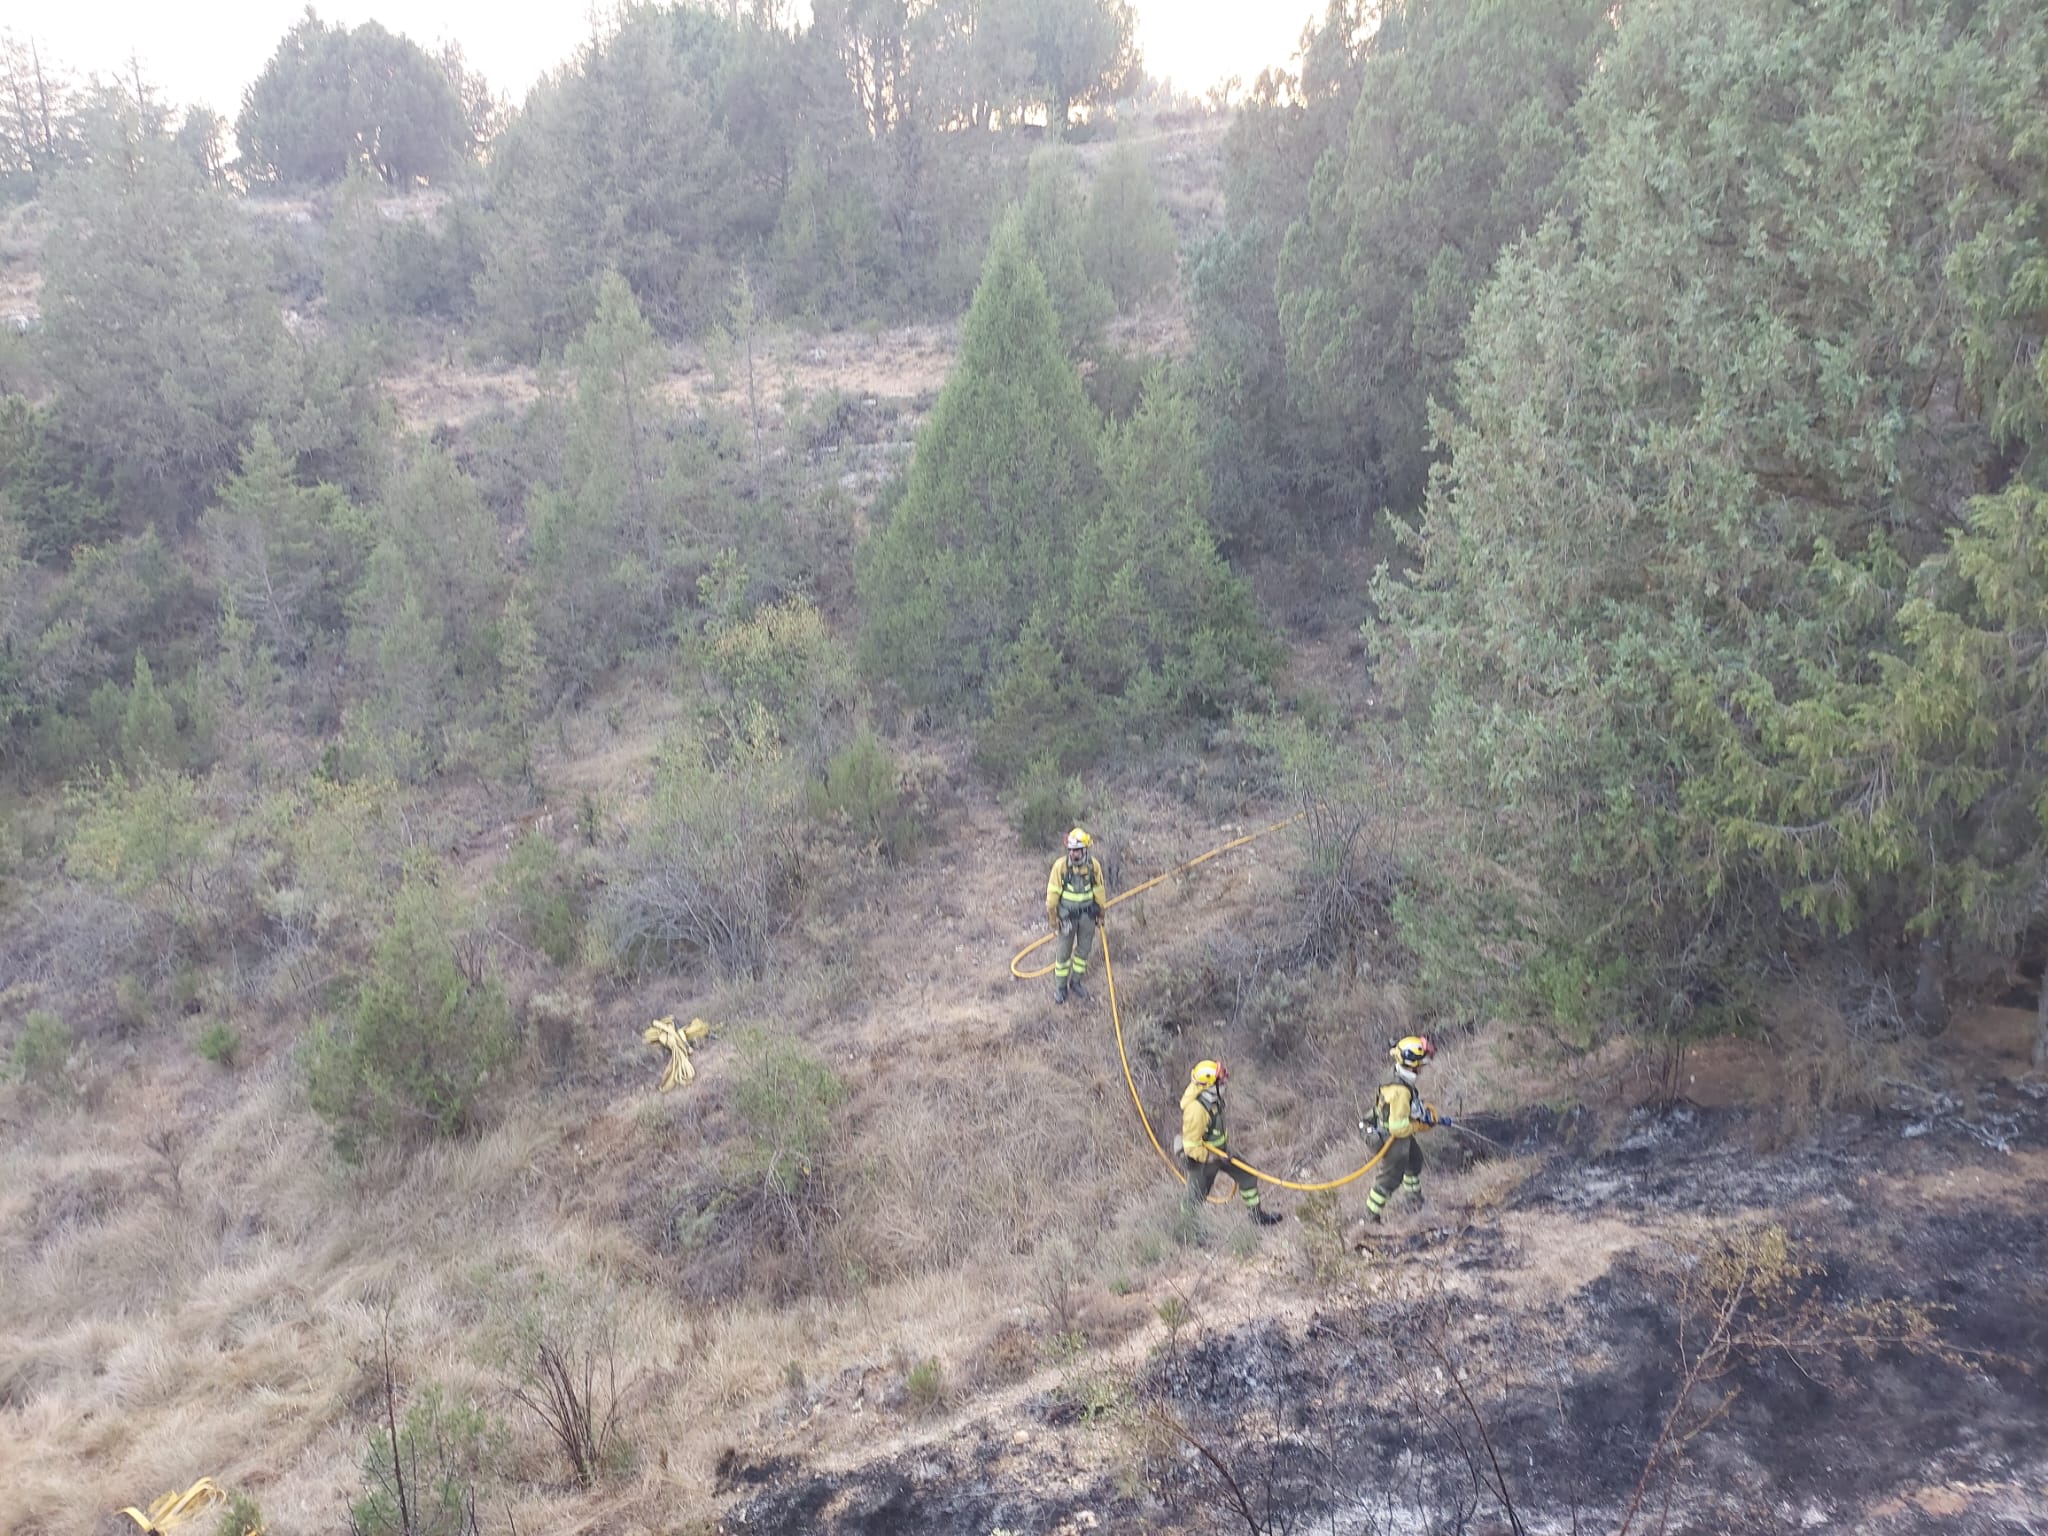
[1396, 1116]
[1202, 1140]
[1073, 905]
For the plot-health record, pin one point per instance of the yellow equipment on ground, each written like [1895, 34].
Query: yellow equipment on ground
[663, 1032]
[175, 1509]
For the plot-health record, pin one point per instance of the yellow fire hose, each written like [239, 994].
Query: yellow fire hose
[680, 1042]
[1116, 1020]
[175, 1509]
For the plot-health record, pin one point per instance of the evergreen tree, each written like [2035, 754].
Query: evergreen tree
[1172, 630]
[1127, 241]
[160, 337]
[149, 726]
[411, 1060]
[1459, 145]
[1004, 478]
[1266, 460]
[331, 100]
[620, 163]
[287, 555]
[1150, 629]
[608, 544]
[1678, 705]
[1050, 218]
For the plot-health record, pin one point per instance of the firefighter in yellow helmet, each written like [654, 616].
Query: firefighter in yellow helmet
[1203, 1138]
[1074, 899]
[1397, 1114]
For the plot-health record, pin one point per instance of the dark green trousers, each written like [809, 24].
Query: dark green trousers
[1202, 1178]
[1077, 940]
[1402, 1167]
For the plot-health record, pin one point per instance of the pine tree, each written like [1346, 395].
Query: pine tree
[288, 555]
[149, 727]
[1004, 478]
[607, 540]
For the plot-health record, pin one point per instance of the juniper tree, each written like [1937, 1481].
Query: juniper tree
[1004, 477]
[1699, 630]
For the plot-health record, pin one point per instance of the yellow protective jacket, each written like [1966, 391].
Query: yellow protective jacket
[1201, 1123]
[1394, 1110]
[1073, 890]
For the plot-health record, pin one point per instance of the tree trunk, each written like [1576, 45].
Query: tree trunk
[1930, 1000]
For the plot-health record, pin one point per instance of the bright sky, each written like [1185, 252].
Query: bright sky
[208, 52]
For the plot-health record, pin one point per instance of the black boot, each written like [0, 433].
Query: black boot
[1262, 1217]
[1080, 992]
[1059, 990]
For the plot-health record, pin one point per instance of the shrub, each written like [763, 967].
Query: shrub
[541, 896]
[219, 1043]
[785, 1095]
[705, 877]
[143, 838]
[420, 1479]
[242, 1516]
[42, 1052]
[564, 1353]
[780, 673]
[1049, 804]
[426, 1032]
[861, 789]
[925, 1385]
[132, 1006]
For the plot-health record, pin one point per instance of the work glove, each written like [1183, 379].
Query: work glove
[1426, 1115]
[1096, 912]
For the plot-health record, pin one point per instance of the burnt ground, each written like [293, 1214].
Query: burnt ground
[1351, 1415]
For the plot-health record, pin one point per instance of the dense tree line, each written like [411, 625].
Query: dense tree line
[1716, 643]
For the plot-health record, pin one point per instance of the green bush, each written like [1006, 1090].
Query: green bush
[147, 837]
[411, 1060]
[786, 1096]
[779, 672]
[219, 1043]
[538, 889]
[925, 1385]
[42, 1052]
[423, 1480]
[861, 789]
[242, 1516]
[1049, 803]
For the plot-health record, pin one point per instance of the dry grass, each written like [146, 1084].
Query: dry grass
[149, 1336]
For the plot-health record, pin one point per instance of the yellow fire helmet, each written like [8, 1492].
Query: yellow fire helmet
[1413, 1051]
[1078, 840]
[1208, 1074]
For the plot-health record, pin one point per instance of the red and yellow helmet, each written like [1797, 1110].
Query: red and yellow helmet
[1208, 1074]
